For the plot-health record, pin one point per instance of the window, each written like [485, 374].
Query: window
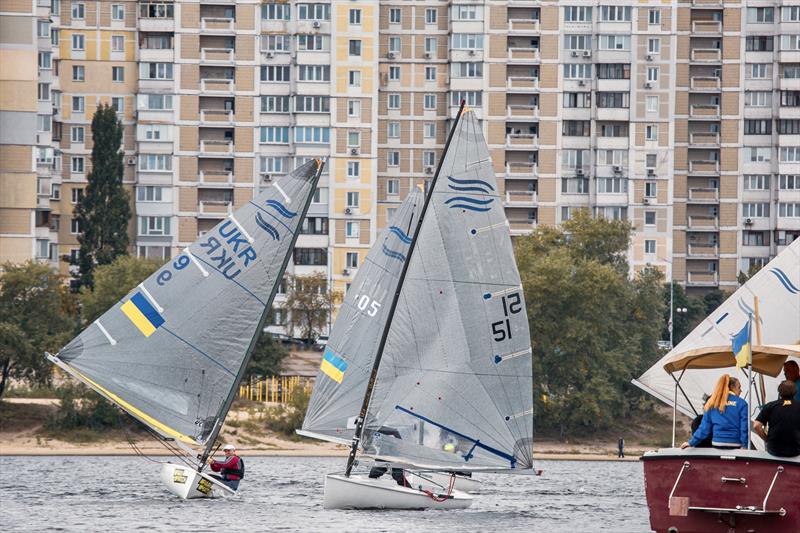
[276, 42]
[758, 127]
[274, 135]
[392, 187]
[789, 127]
[578, 42]
[467, 12]
[75, 226]
[44, 122]
[617, 99]
[571, 159]
[352, 199]
[612, 185]
[612, 212]
[77, 165]
[394, 15]
[790, 98]
[759, 43]
[307, 104]
[430, 15]
[429, 130]
[117, 43]
[467, 41]
[576, 128]
[649, 218]
[162, 10]
[354, 108]
[755, 210]
[755, 182]
[790, 13]
[650, 246]
[466, 70]
[276, 11]
[118, 104]
[650, 189]
[117, 12]
[117, 73]
[654, 16]
[354, 78]
[312, 73]
[428, 159]
[575, 185]
[45, 60]
[154, 102]
[394, 45]
[789, 209]
[313, 11]
[155, 162]
[277, 104]
[577, 71]
[761, 154]
[153, 132]
[351, 259]
[614, 42]
[654, 45]
[275, 73]
[43, 28]
[430, 73]
[573, 100]
[394, 73]
[355, 47]
[429, 102]
[78, 104]
[353, 139]
[355, 16]
[76, 195]
[78, 73]
[652, 74]
[612, 129]
[352, 229]
[155, 71]
[790, 182]
[314, 226]
[652, 104]
[790, 154]
[612, 157]
[393, 159]
[149, 194]
[78, 41]
[393, 101]
[393, 130]
[651, 132]
[353, 169]
[577, 14]
[76, 134]
[313, 42]
[311, 134]
[78, 11]
[615, 13]
[755, 238]
[612, 71]
[153, 225]
[54, 37]
[273, 165]
[758, 71]
[430, 45]
[760, 15]
[758, 98]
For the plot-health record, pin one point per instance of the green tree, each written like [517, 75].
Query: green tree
[267, 358]
[599, 239]
[37, 314]
[104, 210]
[112, 282]
[309, 301]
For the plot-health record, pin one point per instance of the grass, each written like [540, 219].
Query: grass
[30, 392]
[17, 417]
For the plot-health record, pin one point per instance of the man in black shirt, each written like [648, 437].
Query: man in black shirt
[782, 418]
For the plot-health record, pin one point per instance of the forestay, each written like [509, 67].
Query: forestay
[347, 362]
[777, 286]
[170, 352]
[454, 387]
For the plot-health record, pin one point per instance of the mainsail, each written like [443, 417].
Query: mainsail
[347, 362]
[172, 351]
[777, 286]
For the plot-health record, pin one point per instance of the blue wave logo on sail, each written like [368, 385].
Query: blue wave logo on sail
[400, 234]
[280, 208]
[266, 226]
[391, 253]
[404, 238]
[471, 204]
[784, 279]
[470, 185]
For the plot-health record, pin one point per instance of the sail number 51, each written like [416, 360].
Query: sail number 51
[365, 302]
[512, 304]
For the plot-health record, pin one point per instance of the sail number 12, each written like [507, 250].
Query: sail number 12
[512, 304]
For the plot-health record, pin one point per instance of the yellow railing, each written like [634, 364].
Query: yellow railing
[275, 389]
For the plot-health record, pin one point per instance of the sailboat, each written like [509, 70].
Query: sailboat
[708, 489]
[171, 353]
[428, 366]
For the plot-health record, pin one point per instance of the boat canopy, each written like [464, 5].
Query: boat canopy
[767, 359]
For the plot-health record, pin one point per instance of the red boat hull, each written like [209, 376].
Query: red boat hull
[706, 490]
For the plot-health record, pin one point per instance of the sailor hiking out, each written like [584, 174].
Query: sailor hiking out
[231, 470]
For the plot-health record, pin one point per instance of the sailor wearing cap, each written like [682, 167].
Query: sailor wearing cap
[231, 470]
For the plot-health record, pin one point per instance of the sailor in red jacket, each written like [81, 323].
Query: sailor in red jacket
[232, 470]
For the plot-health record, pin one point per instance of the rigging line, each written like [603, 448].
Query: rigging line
[198, 350]
[218, 271]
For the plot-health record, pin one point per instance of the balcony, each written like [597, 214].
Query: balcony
[703, 84]
[707, 55]
[216, 55]
[704, 168]
[523, 55]
[524, 83]
[216, 85]
[521, 171]
[707, 27]
[703, 279]
[522, 140]
[703, 223]
[524, 112]
[216, 147]
[217, 116]
[521, 227]
[702, 251]
[214, 208]
[157, 24]
[707, 3]
[216, 178]
[701, 195]
[704, 111]
[521, 198]
[704, 139]
[217, 25]
[523, 26]
[790, 84]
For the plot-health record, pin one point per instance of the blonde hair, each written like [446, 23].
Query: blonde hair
[719, 398]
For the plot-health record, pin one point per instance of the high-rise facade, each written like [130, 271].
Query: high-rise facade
[682, 117]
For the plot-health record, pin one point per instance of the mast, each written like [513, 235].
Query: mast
[385, 335]
[259, 330]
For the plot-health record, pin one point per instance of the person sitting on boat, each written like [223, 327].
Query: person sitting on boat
[782, 420]
[726, 418]
[792, 372]
[232, 470]
[377, 471]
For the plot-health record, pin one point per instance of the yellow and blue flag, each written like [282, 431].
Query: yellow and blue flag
[333, 366]
[143, 315]
[741, 346]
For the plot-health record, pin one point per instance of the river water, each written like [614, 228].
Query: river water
[285, 494]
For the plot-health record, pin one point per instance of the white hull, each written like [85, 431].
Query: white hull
[360, 492]
[188, 484]
[441, 480]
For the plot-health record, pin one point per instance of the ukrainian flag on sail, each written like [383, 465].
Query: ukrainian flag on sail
[143, 315]
[741, 346]
[333, 366]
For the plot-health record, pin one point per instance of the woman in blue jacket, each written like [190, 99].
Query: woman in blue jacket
[726, 417]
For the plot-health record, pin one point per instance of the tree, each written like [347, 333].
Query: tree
[309, 302]
[104, 210]
[36, 315]
[267, 358]
[599, 239]
[112, 282]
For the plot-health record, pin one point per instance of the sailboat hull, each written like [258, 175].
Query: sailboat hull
[189, 484]
[360, 492]
[705, 490]
[441, 480]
